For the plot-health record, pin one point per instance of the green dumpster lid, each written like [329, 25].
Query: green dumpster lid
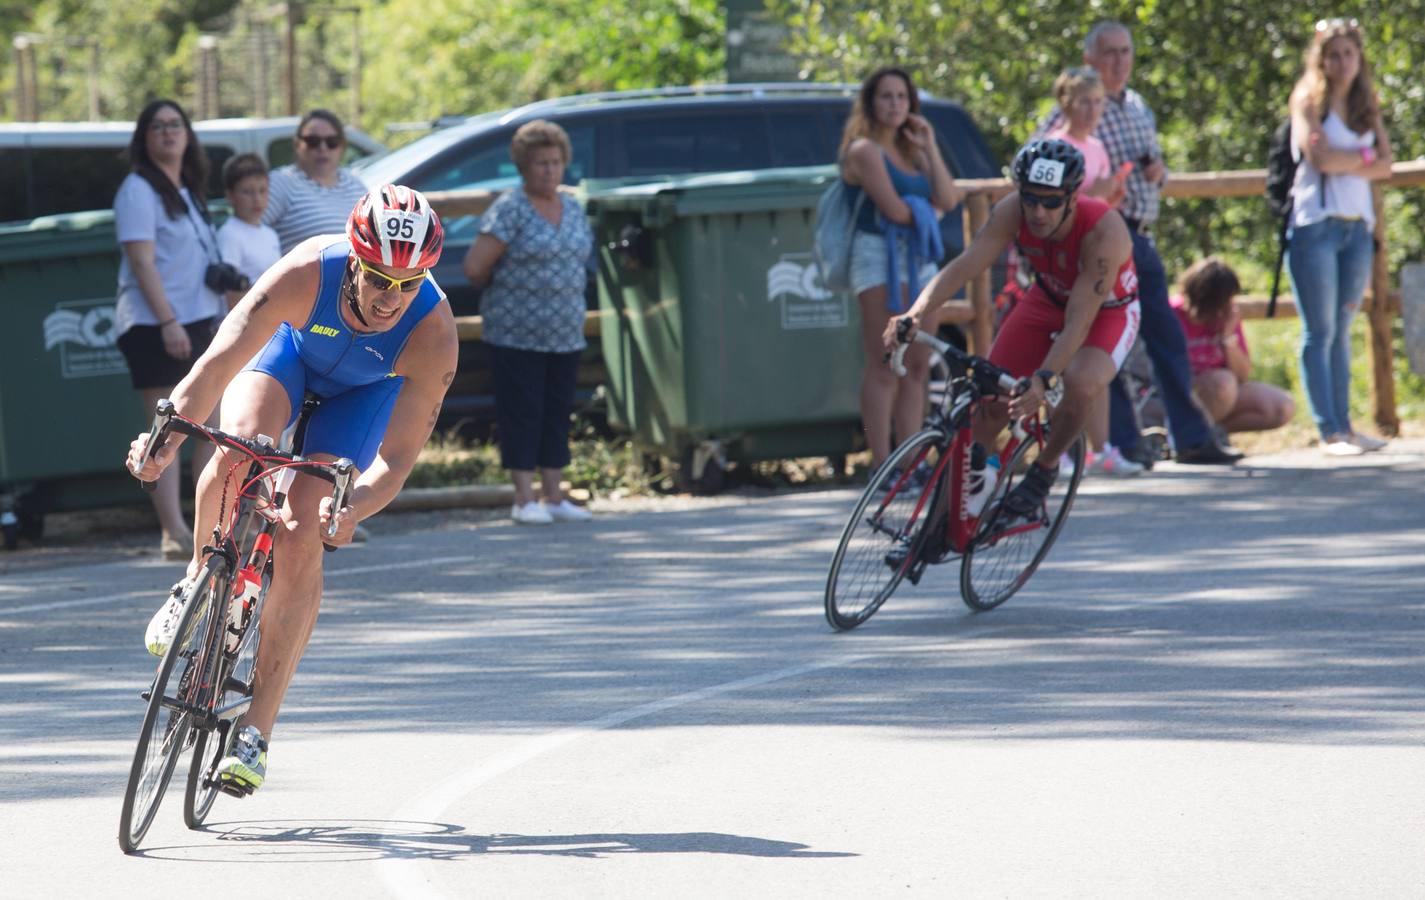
[752, 190]
[49, 237]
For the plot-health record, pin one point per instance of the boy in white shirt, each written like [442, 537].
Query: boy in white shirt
[243, 241]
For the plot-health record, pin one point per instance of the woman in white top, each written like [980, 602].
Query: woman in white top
[1341, 144]
[165, 314]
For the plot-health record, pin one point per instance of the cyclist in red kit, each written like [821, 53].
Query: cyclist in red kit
[1075, 325]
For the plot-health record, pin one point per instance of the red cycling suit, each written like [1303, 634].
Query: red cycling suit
[1031, 327]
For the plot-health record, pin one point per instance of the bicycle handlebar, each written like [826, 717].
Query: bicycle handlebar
[166, 421]
[1006, 382]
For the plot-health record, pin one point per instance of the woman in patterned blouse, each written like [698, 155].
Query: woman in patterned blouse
[530, 257]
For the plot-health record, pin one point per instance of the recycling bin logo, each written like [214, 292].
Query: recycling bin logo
[794, 282]
[82, 331]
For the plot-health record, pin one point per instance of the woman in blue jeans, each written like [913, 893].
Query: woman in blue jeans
[1341, 145]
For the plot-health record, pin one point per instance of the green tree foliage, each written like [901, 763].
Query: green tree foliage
[1217, 74]
[467, 56]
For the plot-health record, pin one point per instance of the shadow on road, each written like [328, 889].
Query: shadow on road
[370, 839]
[1276, 605]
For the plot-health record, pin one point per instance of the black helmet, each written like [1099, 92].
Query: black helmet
[1051, 164]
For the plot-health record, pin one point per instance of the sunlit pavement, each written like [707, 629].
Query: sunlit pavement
[1216, 685]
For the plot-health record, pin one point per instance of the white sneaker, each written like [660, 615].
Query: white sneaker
[1113, 464]
[1340, 445]
[564, 511]
[531, 513]
[1365, 442]
[164, 625]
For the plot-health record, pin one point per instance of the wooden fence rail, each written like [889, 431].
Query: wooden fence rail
[981, 193]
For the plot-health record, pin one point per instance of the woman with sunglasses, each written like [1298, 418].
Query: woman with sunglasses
[1072, 330]
[533, 251]
[313, 195]
[356, 320]
[1340, 140]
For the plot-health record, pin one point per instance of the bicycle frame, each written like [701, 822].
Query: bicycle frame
[953, 418]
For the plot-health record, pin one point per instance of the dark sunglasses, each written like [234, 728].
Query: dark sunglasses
[313, 141]
[1048, 201]
[1334, 24]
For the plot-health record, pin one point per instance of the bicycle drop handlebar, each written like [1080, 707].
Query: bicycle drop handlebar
[1006, 382]
[166, 420]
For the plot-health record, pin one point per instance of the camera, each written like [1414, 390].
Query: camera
[223, 277]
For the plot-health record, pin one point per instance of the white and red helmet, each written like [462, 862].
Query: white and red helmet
[395, 226]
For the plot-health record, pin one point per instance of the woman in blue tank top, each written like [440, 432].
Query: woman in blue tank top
[889, 151]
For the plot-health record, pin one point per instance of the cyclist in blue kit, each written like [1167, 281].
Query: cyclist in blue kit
[357, 321]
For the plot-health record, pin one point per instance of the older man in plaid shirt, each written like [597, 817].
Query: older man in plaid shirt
[1130, 133]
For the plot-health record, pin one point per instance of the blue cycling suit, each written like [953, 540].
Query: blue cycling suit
[350, 371]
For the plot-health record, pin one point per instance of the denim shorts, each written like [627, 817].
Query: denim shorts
[868, 263]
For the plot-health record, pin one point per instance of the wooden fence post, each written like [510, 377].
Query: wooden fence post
[977, 213]
[1379, 317]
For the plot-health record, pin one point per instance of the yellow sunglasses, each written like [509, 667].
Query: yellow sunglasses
[383, 282]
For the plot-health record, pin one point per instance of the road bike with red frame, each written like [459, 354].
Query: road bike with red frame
[915, 511]
[204, 681]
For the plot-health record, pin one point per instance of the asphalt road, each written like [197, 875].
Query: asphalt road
[1215, 686]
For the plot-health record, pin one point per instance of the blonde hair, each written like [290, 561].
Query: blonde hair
[1362, 105]
[862, 121]
[537, 135]
[1075, 81]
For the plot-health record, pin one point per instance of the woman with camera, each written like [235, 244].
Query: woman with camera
[167, 308]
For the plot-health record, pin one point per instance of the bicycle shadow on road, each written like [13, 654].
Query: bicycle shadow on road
[353, 840]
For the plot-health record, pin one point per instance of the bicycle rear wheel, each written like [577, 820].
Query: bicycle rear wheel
[210, 747]
[1007, 549]
[167, 722]
[883, 537]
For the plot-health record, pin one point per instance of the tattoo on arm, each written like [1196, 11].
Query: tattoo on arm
[434, 414]
[447, 378]
[260, 302]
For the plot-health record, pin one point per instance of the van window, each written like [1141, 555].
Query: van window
[216, 157]
[75, 178]
[283, 151]
[797, 139]
[14, 197]
[696, 142]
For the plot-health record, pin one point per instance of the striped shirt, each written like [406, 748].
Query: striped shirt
[299, 208]
[1129, 131]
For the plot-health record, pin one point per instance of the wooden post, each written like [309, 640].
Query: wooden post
[356, 63]
[977, 213]
[290, 19]
[93, 79]
[1379, 316]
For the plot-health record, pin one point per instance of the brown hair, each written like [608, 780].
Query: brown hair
[1072, 82]
[1208, 287]
[244, 165]
[1362, 105]
[862, 120]
[193, 170]
[537, 135]
[327, 116]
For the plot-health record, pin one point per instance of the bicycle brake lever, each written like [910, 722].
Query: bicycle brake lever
[341, 490]
[157, 437]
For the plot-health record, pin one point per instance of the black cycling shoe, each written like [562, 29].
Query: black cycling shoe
[1027, 499]
[1141, 453]
[1208, 454]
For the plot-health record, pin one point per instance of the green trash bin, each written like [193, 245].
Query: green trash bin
[67, 408]
[720, 343]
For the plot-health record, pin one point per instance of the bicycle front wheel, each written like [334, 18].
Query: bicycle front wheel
[167, 722]
[882, 539]
[1007, 549]
[210, 747]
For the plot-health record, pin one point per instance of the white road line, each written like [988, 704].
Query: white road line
[402, 876]
[117, 598]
